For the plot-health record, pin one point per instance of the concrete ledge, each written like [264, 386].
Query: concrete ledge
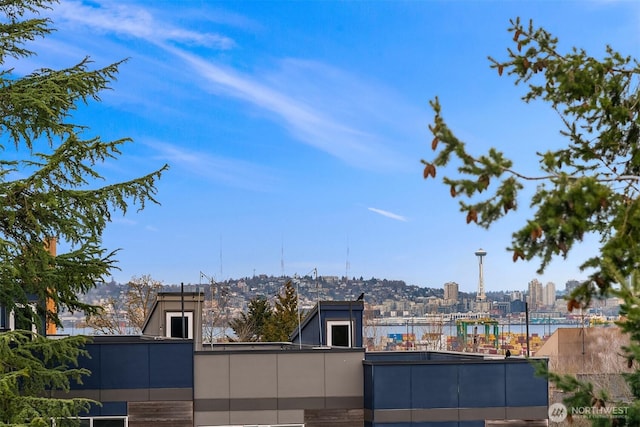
[437, 414]
[286, 403]
[497, 413]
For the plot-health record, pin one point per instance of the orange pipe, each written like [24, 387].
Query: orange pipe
[51, 328]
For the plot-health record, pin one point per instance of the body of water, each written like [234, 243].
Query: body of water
[541, 330]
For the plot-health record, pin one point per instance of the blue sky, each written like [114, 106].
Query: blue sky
[294, 130]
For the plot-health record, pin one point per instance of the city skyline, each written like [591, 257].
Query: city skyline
[294, 131]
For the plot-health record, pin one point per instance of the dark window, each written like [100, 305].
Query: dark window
[4, 320]
[176, 331]
[97, 422]
[340, 335]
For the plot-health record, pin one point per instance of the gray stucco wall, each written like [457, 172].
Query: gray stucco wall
[274, 387]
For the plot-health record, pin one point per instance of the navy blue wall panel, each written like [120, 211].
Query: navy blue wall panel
[92, 363]
[396, 356]
[368, 386]
[454, 357]
[482, 385]
[392, 387]
[107, 408]
[124, 366]
[423, 385]
[114, 408]
[403, 356]
[310, 333]
[171, 365]
[523, 387]
[431, 424]
[434, 386]
[143, 364]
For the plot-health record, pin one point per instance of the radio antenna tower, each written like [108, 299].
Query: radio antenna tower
[347, 264]
[282, 258]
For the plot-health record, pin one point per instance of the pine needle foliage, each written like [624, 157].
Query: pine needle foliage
[31, 368]
[590, 186]
[266, 322]
[251, 326]
[284, 319]
[50, 185]
[51, 188]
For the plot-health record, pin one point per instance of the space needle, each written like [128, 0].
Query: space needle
[481, 297]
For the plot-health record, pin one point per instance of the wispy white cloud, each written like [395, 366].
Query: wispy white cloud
[388, 214]
[124, 221]
[235, 173]
[134, 21]
[358, 122]
[309, 123]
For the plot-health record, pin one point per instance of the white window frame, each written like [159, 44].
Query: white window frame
[331, 323]
[125, 418]
[12, 318]
[187, 314]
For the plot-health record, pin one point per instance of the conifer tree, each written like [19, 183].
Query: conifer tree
[58, 193]
[31, 368]
[251, 326]
[50, 187]
[284, 319]
[590, 186]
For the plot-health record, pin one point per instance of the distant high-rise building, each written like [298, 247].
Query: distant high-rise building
[535, 294]
[549, 295]
[571, 285]
[451, 292]
[517, 296]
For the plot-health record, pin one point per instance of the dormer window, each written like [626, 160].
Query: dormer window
[339, 333]
[179, 326]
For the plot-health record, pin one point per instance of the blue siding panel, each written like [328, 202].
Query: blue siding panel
[410, 384]
[124, 366]
[482, 385]
[401, 356]
[107, 408]
[405, 356]
[92, 363]
[311, 332]
[432, 424]
[171, 365]
[523, 387]
[434, 386]
[392, 387]
[135, 365]
[368, 372]
[114, 408]
[455, 357]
